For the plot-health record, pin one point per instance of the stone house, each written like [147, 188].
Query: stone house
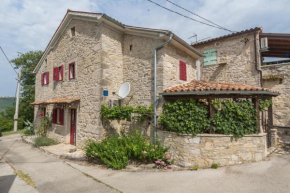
[92, 52]
[239, 58]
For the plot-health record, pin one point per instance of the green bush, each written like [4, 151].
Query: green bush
[116, 151]
[214, 166]
[116, 113]
[185, 116]
[29, 129]
[235, 117]
[44, 141]
[6, 124]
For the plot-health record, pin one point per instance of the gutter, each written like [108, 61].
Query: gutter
[219, 93]
[155, 85]
[256, 60]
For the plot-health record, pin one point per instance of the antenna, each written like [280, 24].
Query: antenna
[124, 90]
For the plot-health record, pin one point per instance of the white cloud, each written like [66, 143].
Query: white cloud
[29, 24]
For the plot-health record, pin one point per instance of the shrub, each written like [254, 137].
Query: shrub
[116, 151]
[116, 113]
[214, 166]
[185, 116]
[44, 141]
[44, 125]
[29, 129]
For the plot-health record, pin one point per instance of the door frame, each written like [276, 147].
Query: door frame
[75, 126]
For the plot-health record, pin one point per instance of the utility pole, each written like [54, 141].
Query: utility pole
[17, 101]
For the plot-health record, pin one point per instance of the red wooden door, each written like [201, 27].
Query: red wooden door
[73, 127]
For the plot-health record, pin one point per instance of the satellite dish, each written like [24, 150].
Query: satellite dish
[124, 90]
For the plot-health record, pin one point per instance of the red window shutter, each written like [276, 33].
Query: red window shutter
[55, 74]
[182, 70]
[42, 79]
[61, 116]
[61, 72]
[47, 78]
[54, 115]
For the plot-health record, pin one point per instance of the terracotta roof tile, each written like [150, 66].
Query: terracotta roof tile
[200, 85]
[57, 101]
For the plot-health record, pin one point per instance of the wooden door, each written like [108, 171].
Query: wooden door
[73, 126]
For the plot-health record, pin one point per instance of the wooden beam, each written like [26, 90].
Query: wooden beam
[256, 106]
[211, 113]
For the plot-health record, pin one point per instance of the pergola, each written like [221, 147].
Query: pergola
[278, 45]
[212, 90]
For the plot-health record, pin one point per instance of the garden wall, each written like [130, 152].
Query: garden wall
[205, 149]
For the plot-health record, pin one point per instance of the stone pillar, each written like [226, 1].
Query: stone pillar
[274, 138]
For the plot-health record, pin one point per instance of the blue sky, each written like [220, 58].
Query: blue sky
[29, 24]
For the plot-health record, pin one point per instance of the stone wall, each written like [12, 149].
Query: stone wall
[235, 61]
[281, 103]
[284, 135]
[85, 50]
[205, 149]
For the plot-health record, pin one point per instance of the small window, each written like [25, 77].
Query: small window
[131, 47]
[72, 69]
[58, 116]
[45, 78]
[45, 61]
[73, 31]
[58, 73]
[209, 57]
[182, 70]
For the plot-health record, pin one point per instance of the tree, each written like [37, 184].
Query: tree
[27, 62]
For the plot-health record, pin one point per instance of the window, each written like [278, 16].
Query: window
[73, 31]
[43, 109]
[45, 78]
[182, 70]
[58, 73]
[209, 57]
[131, 46]
[72, 72]
[58, 116]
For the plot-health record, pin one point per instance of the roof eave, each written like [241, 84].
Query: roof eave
[216, 92]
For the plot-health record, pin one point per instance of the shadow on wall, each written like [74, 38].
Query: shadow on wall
[218, 71]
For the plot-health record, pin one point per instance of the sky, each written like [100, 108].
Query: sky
[27, 25]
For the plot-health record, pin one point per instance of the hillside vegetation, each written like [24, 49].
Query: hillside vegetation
[6, 102]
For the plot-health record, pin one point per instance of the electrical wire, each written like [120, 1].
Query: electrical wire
[9, 61]
[199, 16]
[186, 16]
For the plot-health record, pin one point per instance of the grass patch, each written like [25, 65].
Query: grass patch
[44, 141]
[5, 133]
[195, 167]
[25, 177]
[214, 166]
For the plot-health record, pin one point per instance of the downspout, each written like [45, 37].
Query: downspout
[155, 86]
[256, 60]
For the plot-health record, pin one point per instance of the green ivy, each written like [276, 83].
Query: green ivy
[264, 104]
[236, 118]
[141, 113]
[188, 116]
[116, 112]
[185, 116]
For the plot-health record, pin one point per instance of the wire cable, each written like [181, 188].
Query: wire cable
[187, 16]
[8, 61]
[199, 16]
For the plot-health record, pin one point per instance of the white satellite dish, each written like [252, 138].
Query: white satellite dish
[124, 90]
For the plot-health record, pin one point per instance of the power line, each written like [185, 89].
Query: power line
[8, 60]
[199, 16]
[187, 16]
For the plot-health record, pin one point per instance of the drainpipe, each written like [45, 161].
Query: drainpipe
[155, 89]
[256, 60]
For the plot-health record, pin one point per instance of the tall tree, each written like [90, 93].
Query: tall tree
[27, 62]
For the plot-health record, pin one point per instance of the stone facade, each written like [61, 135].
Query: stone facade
[281, 103]
[105, 57]
[235, 60]
[205, 149]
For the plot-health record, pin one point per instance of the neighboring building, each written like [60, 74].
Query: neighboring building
[237, 58]
[92, 52]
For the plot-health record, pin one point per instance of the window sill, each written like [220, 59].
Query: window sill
[210, 65]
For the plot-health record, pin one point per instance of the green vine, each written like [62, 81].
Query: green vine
[185, 116]
[140, 113]
[264, 104]
[236, 118]
[188, 116]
